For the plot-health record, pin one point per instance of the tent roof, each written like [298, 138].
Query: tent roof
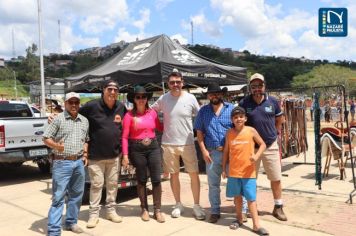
[150, 61]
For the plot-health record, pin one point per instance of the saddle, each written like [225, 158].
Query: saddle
[336, 132]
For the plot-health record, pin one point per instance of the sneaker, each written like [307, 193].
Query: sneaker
[198, 212]
[92, 222]
[177, 210]
[114, 217]
[278, 213]
[74, 228]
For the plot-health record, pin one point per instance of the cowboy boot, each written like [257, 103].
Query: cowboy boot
[142, 195]
[157, 196]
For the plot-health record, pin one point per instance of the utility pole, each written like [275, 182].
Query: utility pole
[59, 37]
[192, 31]
[13, 44]
[13, 56]
[15, 84]
[43, 92]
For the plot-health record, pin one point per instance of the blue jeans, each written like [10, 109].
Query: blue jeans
[214, 170]
[68, 178]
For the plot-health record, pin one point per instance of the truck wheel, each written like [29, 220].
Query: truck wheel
[44, 167]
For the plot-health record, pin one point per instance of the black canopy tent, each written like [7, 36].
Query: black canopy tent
[148, 62]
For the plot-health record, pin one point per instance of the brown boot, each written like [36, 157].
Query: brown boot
[278, 213]
[158, 215]
[142, 195]
[157, 195]
[145, 216]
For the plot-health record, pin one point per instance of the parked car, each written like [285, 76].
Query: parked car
[21, 136]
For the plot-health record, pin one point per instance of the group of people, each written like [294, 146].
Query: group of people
[98, 132]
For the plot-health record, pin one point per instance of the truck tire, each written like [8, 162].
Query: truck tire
[44, 167]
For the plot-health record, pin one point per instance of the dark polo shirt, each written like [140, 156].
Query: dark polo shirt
[263, 116]
[105, 128]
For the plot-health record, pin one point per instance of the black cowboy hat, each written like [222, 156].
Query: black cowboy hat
[138, 89]
[215, 88]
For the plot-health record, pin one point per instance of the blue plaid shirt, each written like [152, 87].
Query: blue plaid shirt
[214, 127]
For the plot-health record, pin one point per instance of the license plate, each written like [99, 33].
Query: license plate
[38, 152]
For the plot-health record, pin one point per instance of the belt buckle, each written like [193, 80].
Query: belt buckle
[220, 148]
[146, 141]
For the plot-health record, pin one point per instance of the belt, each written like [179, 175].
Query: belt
[145, 141]
[220, 148]
[69, 158]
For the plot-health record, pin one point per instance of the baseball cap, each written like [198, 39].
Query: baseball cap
[72, 95]
[237, 110]
[257, 76]
[111, 83]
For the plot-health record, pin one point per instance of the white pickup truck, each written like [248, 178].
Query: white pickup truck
[21, 136]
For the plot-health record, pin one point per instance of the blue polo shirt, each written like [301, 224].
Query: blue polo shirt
[214, 127]
[263, 116]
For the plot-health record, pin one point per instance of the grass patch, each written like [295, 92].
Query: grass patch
[7, 89]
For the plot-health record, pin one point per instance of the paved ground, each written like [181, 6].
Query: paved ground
[25, 198]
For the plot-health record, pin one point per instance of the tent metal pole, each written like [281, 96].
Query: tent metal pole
[163, 88]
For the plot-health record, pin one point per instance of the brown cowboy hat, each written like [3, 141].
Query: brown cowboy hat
[138, 89]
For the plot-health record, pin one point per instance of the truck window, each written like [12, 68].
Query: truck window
[14, 110]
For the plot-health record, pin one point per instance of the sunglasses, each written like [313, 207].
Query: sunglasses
[140, 97]
[173, 82]
[257, 86]
[73, 102]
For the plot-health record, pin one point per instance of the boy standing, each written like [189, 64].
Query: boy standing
[239, 152]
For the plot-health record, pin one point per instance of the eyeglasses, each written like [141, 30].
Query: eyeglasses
[173, 82]
[115, 90]
[140, 97]
[73, 102]
[255, 86]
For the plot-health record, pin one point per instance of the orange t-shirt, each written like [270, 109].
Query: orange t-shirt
[241, 148]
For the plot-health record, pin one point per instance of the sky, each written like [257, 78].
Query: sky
[264, 27]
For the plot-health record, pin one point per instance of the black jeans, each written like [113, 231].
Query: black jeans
[143, 158]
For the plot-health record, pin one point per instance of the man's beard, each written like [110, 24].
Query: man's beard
[216, 101]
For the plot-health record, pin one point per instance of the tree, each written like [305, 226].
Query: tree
[6, 74]
[29, 69]
[325, 75]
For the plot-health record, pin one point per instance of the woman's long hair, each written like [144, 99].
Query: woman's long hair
[134, 111]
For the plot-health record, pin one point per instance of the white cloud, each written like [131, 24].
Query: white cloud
[267, 31]
[200, 22]
[92, 17]
[145, 19]
[182, 40]
[123, 34]
[160, 4]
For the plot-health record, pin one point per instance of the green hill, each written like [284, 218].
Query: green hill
[7, 89]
